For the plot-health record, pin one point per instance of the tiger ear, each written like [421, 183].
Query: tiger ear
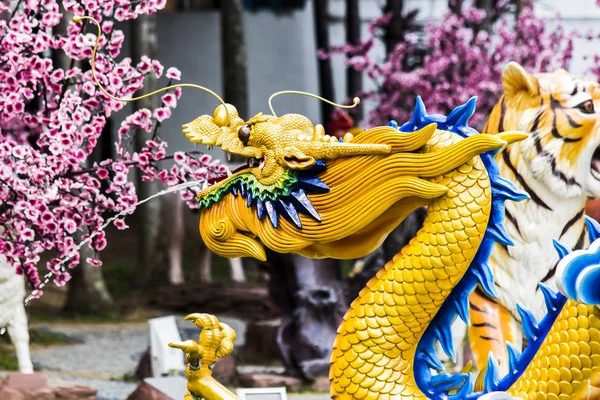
[515, 79]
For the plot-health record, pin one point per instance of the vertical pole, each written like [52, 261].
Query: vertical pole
[353, 77]
[320, 9]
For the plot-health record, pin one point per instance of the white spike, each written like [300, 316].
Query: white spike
[228, 171]
[228, 156]
[204, 185]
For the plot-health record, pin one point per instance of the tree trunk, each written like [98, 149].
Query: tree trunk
[311, 296]
[394, 32]
[176, 237]
[487, 6]
[206, 266]
[87, 292]
[233, 55]
[353, 77]
[321, 9]
[143, 42]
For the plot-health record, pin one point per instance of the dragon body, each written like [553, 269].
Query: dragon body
[316, 196]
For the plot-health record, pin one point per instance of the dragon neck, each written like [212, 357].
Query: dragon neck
[377, 341]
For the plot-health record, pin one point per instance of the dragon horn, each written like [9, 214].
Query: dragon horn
[203, 321]
[188, 347]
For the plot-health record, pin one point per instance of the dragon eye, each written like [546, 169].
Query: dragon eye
[587, 107]
[244, 134]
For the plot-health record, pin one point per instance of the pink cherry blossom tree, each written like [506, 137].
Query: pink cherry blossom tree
[50, 122]
[460, 56]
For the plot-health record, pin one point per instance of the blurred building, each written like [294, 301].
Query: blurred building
[282, 53]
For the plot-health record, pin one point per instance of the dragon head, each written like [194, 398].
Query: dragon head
[271, 144]
[338, 198]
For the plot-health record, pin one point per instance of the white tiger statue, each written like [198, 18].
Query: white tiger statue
[12, 293]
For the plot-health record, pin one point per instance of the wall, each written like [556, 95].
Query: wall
[281, 54]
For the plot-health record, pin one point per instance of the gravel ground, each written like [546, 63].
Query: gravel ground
[105, 351]
[103, 355]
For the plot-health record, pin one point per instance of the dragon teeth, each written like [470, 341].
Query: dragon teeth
[228, 171]
[228, 156]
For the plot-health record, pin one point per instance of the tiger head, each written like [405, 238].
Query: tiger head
[560, 113]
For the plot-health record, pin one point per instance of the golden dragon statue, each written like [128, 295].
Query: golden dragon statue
[307, 193]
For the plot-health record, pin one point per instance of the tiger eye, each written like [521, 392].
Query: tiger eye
[244, 134]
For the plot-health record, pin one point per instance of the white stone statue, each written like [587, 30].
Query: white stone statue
[12, 294]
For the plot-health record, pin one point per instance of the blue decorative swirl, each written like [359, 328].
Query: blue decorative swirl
[578, 272]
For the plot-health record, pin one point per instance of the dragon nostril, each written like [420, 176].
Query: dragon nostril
[244, 134]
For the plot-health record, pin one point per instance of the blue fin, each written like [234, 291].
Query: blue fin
[393, 124]
[445, 381]
[499, 234]
[593, 228]
[312, 184]
[490, 379]
[417, 117]
[243, 189]
[444, 335]
[506, 190]
[513, 357]
[459, 117]
[432, 360]
[272, 212]
[561, 249]
[249, 199]
[260, 209]
[485, 278]
[461, 304]
[550, 297]
[234, 189]
[289, 212]
[529, 323]
[302, 202]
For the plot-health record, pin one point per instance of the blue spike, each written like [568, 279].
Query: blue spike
[530, 325]
[459, 117]
[513, 357]
[443, 334]
[432, 360]
[234, 189]
[243, 189]
[319, 166]
[260, 209]
[312, 184]
[498, 233]
[304, 204]
[272, 212]
[561, 249]
[249, 199]
[289, 212]
[490, 379]
[341, 140]
[461, 304]
[550, 297]
[393, 124]
[446, 381]
[485, 278]
[466, 389]
[417, 117]
[506, 190]
[593, 228]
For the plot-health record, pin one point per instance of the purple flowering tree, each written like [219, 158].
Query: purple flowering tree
[460, 56]
[51, 193]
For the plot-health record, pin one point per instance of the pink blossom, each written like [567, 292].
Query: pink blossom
[162, 113]
[173, 73]
[43, 149]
